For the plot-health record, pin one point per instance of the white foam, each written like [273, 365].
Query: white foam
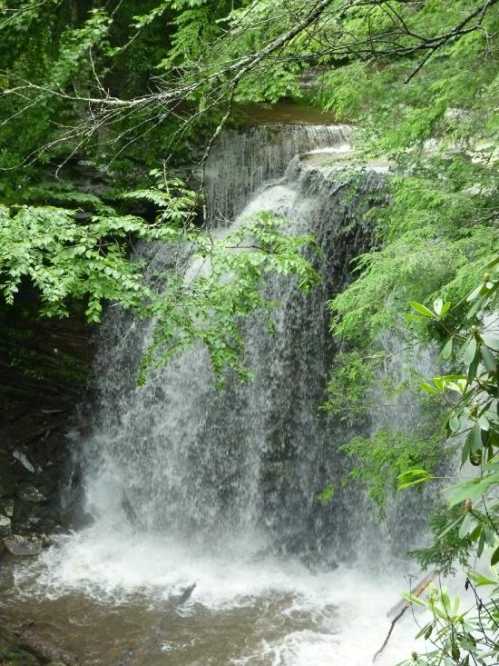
[343, 611]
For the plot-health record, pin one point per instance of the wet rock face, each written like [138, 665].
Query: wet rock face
[5, 525]
[31, 494]
[27, 499]
[20, 546]
[43, 370]
[7, 508]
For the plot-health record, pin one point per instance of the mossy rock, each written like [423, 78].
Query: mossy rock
[11, 654]
[17, 657]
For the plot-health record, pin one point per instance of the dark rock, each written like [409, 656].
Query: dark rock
[186, 594]
[31, 494]
[7, 507]
[37, 517]
[46, 540]
[45, 366]
[8, 479]
[21, 546]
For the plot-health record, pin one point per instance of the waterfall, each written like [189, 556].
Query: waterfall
[186, 483]
[213, 465]
[241, 162]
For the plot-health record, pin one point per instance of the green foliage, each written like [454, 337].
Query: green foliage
[469, 526]
[425, 93]
[224, 284]
[435, 240]
[382, 458]
[55, 54]
[325, 497]
[435, 244]
[349, 382]
[70, 260]
[450, 549]
[81, 252]
[64, 259]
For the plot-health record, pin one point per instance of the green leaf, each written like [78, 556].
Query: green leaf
[454, 422]
[422, 309]
[429, 388]
[437, 306]
[413, 477]
[471, 490]
[495, 557]
[469, 350]
[425, 631]
[468, 525]
[479, 579]
[413, 599]
[491, 339]
[476, 438]
[466, 450]
[446, 352]
[488, 358]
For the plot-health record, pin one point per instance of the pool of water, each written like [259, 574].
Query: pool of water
[283, 113]
[119, 603]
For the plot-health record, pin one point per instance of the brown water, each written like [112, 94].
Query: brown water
[283, 113]
[142, 632]
[287, 616]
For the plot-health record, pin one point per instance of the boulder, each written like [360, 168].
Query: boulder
[21, 546]
[7, 507]
[5, 526]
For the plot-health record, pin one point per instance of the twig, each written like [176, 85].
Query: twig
[420, 588]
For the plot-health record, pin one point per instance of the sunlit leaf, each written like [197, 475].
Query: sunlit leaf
[422, 309]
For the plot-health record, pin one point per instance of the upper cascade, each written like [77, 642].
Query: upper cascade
[242, 161]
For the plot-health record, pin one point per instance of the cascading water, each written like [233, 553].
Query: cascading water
[189, 484]
[242, 162]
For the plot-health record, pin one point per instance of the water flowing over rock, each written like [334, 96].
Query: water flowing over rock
[242, 161]
[248, 460]
[244, 465]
